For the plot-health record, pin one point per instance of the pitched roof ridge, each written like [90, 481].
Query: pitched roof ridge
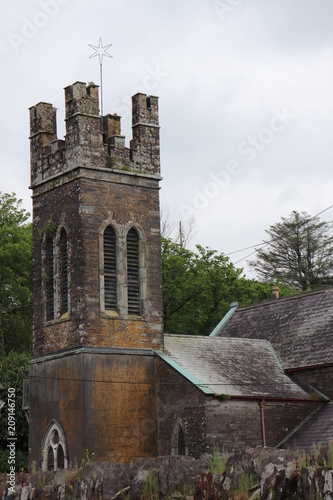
[284, 299]
[219, 339]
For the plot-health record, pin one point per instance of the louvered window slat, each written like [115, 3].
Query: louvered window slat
[63, 273]
[49, 280]
[110, 269]
[133, 284]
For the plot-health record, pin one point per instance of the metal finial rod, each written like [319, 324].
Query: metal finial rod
[100, 51]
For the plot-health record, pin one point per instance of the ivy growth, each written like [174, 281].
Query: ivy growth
[49, 230]
[109, 162]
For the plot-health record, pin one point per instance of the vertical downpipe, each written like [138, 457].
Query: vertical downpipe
[262, 403]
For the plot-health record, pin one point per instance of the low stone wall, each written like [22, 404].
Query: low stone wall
[256, 473]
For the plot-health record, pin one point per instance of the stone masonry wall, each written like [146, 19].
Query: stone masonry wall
[282, 418]
[82, 184]
[319, 378]
[232, 424]
[105, 403]
[177, 398]
[89, 205]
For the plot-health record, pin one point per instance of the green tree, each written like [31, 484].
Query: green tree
[15, 276]
[198, 288]
[298, 253]
[14, 369]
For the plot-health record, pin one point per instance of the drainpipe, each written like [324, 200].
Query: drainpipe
[224, 320]
[261, 404]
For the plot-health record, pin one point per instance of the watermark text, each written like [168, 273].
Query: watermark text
[11, 439]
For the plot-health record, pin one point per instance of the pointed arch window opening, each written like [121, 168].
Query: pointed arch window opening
[60, 457]
[178, 439]
[54, 455]
[50, 459]
[133, 272]
[110, 268]
[49, 279]
[55, 278]
[181, 442]
[122, 271]
[63, 247]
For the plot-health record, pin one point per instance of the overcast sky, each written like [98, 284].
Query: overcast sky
[245, 90]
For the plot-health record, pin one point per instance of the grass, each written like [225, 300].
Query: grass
[244, 484]
[150, 487]
[219, 460]
[330, 455]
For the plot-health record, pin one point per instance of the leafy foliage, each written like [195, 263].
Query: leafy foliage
[198, 288]
[13, 369]
[15, 276]
[299, 253]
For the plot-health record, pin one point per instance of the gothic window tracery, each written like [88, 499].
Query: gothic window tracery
[54, 455]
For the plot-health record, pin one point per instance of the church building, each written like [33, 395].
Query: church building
[105, 381]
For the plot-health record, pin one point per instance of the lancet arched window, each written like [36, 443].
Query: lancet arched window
[49, 278]
[110, 269]
[63, 256]
[133, 275]
[54, 454]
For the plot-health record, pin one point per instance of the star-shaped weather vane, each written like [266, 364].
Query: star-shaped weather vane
[100, 51]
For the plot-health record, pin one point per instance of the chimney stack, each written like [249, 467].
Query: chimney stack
[275, 292]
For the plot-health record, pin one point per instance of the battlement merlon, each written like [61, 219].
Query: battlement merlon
[43, 121]
[144, 110]
[81, 98]
[92, 141]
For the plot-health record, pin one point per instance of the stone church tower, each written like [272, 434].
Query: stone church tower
[97, 282]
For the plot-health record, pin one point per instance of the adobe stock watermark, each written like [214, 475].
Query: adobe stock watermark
[154, 76]
[11, 439]
[31, 26]
[225, 7]
[249, 149]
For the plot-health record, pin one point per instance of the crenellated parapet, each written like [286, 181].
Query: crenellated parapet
[92, 141]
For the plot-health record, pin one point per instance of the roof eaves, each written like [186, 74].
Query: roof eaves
[279, 399]
[277, 303]
[291, 369]
[226, 318]
[185, 373]
[275, 356]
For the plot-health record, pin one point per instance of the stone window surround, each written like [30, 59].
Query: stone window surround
[48, 442]
[175, 436]
[56, 275]
[121, 269]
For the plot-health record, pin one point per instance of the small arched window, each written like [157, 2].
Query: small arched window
[49, 279]
[60, 457]
[50, 459]
[178, 439]
[133, 279]
[54, 448]
[181, 442]
[110, 269]
[63, 247]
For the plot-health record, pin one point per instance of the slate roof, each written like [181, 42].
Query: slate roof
[317, 429]
[237, 367]
[300, 328]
